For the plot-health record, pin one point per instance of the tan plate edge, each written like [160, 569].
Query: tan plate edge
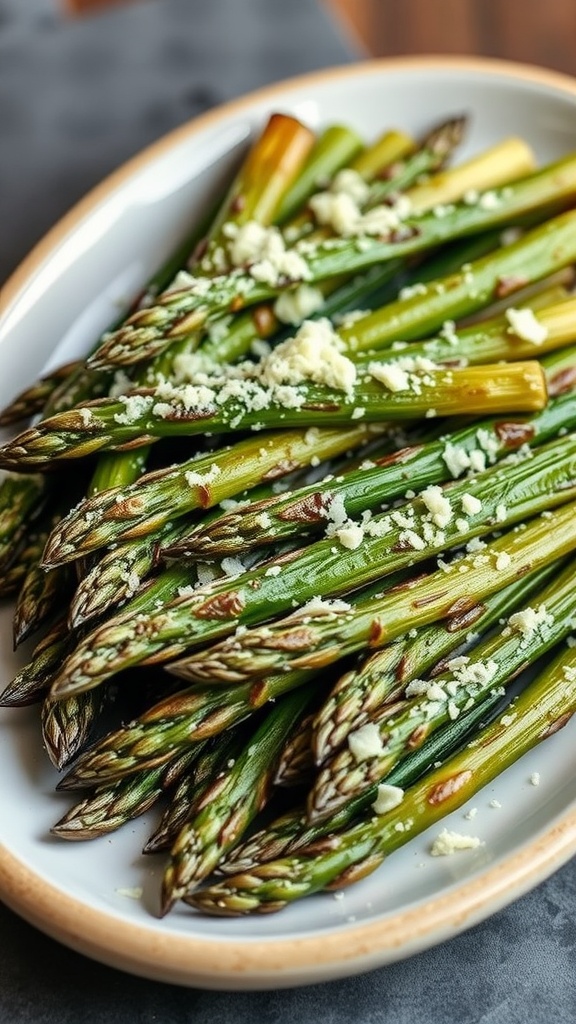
[185, 959]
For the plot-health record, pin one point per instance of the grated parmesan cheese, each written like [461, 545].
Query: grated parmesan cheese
[365, 742]
[388, 797]
[447, 843]
[525, 325]
[292, 307]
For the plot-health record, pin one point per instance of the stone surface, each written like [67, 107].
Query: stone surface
[76, 99]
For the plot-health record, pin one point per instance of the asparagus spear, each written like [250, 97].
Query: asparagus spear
[180, 312]
[382, 677]
[430, 524]
[158, 499]
[494, 339]
[231, 802]
[336, 147]
[67, 724]
[32, 399]
[213, 755]
[270, 167]
[291, 831]
[196, 713]
[272, 164]
[475, 285]
[187, 410]
[27, 553]
[305, 511]
[82, 384]
[231, 338]
[118, 575]
[296, 761]
[190, 716]
[145, 632]
[465, 680]
[20, 498]
[543, 708]
[33, 681]
[40, 592]
[110, 807]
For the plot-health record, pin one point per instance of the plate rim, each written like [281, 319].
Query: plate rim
[255, 963]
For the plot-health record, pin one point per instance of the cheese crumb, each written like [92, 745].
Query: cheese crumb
[312, 354]
[131, 893]
[448, 843]
[387, 798]
[530, 620]
[535, 779]
[391, 376]
[365, 742]
[350, 536]
[438, 505]
[471, 505]
[525, 325]
[292, 307]
[503, 561]
[202, 479]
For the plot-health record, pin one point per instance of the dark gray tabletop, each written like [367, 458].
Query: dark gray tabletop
[76, 99]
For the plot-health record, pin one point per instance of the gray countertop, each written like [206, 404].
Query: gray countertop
[76, 99]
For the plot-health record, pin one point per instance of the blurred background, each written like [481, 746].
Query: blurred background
[85, 84]
[533, 31]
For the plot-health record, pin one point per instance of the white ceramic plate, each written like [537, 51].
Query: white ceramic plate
[57, 302]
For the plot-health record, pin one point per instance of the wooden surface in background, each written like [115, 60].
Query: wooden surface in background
[533, 31]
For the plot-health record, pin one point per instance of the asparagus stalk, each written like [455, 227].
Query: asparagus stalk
[213, 755]
[20, 498]
[67, 724]
[315, 636]
[167, 412]
[27, 554]
[291, 831]
[235, 336]
[196, 713]
[271, 166]
[110, 807]
[382, 677]
[504, 162]
[144, 632]
[297, 759]
[190, 716]
[33, 681]
[229, 805]
[83, 384]
[494, 339]
[336, 147]
[465, 681]
[306, 511]
[475, 285]
[40, 592]
[179, 312]
[158, 499]
[32, 399]
[118, 575]
[543, 708]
